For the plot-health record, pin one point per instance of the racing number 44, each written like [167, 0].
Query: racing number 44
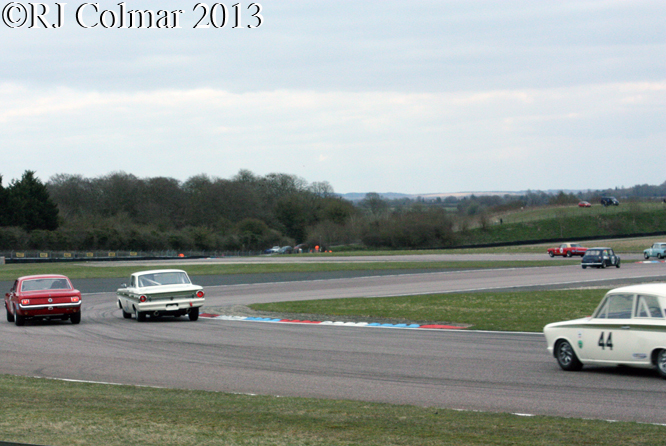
[607, 343]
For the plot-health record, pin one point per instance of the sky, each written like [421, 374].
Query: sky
[412, 97]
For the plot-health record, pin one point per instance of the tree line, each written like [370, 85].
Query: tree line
[120, 211]
[246, 212]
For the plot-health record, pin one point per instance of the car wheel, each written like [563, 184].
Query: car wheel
[618, 263]
[19, 320]
[584, 266]
[551, 254]
[659, 256]
[568, 253]
[10, 317]
[603, 265]
[75, 318]
[646, 256]
[126, 315]
[194, 314]
[140, 315]
[661, 363]
[566, 357]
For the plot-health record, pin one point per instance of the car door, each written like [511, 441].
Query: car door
[608, 337]
[661, 250]
[608, 257]
[646, 327]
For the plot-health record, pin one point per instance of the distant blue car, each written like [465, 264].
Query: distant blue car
[657, 250]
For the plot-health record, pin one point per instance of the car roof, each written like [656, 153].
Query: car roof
[650, 288]
[153, 271]
[600, 247]
[43, 276]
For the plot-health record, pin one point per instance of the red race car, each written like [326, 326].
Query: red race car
[48, 296]
[567, 250]
[584, 204]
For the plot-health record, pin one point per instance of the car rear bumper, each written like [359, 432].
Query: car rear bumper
[169, 306]
[48, 309]
[47, 306]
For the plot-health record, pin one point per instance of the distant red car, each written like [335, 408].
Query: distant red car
[567, 250]
[584, 204]
[48, 296]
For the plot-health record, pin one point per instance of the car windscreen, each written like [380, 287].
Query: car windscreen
[592, 252]
[166, 278]
[45, 284]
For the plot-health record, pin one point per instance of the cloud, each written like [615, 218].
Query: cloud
[434, 96]
[422, 139]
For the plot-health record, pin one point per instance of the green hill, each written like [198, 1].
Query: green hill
[569, 222]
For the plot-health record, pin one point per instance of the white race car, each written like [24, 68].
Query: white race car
[627, 328]
[164, 292]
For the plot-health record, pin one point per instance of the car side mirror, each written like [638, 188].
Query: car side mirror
[123, 285]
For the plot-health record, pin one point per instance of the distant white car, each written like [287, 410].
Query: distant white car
[627, 328]
[164, 292]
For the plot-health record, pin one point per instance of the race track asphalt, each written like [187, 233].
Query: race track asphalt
[504, 372]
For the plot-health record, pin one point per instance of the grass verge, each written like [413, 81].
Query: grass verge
[42, 411]
[85, 271]
[503, 311]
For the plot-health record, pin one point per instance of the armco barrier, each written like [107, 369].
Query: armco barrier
[104, 256]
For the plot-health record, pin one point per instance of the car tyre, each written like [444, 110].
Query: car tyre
[19, 320]
[568, 254]
[126, 315]
[646, 256]
[10, 317]
[661, 363]
[75, 318]
[603, 265]
[567, 359]
[618, 263]
[659, 256]
[140, 316]
[551, 254]
[194, 314]
[584, 266]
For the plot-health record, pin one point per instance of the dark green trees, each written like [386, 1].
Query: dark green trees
[26, 203]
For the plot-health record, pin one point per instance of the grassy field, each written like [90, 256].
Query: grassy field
[41, 411]
[504, 311]
[87, 271]
[633, 245]
[568, 222]
[531, 214]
